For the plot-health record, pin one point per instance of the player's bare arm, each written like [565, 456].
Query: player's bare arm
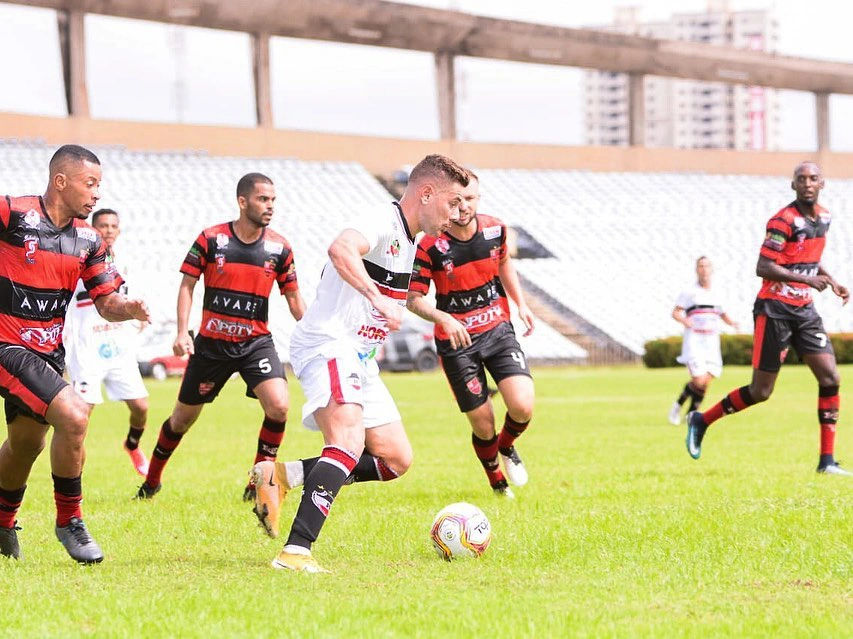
[838, 289]
[509, 279]
[680, 316]
[455, 330]
[770, 270]
[115, 307]
[346, 253]
[728, 320]
[184, 342]
[295, 303]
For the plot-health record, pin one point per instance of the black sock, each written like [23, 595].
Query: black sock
[684, 394]
[696, 397]
[133, 437]
[321, 487]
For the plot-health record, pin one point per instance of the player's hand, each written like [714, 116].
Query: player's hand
[183, 345]
[138, 310]
[391, 311]
[526, 317]
[841, 291]
[820, 282]
[456, 332]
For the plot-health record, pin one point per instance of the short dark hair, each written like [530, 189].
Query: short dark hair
[439, 166]
[247, 183]
[101, 212]
[71, 152]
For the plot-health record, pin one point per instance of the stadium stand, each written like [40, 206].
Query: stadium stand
[625, 244]
[165, 199]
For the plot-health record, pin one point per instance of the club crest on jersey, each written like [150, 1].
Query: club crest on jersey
[473, 385]
[491, 232]
[269, 266]
[494, 252]
[221, 240]
[84, 255]
[393, 248]
[220, 262]
[32, 218]
[448, 268]
[442, 245]
[31, 245]
[205, 387]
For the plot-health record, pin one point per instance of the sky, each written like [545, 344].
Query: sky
[153, 72]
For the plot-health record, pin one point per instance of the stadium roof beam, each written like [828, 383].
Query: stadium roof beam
[438, 31]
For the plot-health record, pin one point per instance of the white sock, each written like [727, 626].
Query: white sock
[297, 550]
[295, 473]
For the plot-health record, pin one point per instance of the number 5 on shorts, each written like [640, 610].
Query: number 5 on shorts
[265, 365]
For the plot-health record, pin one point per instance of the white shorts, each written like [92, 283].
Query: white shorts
[348, 380]
[701, 354]
[122, 383]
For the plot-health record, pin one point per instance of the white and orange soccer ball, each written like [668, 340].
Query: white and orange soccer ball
[460, 530]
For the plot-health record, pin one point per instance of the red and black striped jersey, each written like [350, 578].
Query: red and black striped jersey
[795, 242]
[238, 278]
[466, 275]
[40, 265]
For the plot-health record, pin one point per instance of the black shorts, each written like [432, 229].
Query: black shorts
[802, 329]
[28, 382]
[496, 350]
[205, 376]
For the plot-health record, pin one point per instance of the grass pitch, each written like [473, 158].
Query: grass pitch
[618, 534]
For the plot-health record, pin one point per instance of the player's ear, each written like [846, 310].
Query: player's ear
[793, 186]
[427, 191]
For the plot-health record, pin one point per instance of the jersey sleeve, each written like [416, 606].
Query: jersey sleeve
[684, 300]
[777, 236]
[5, 213]
[286, 276]
[99, 277]
[421, 270]
[370, 225]
[196, 259]
[503, 254]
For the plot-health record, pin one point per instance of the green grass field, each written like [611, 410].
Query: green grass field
[618, 534]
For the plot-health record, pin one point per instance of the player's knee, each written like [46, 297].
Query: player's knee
[27, 448]
[277, 412]
[401, 462]
[761, 393]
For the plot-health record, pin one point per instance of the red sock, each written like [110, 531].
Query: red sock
[269, 439]
[68, 495]
[487, 452]
[734, 402]
[167, 442]
[828, 404]
[511, 431]
[10, 503]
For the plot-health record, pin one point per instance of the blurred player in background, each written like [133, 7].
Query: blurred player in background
[359, 300]
[240, 261]
[45, 248]
[700, 309]
[789, 263]
[105, 352]
[473, 274]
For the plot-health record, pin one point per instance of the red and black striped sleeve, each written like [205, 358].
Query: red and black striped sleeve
[778, 234]
[421, 269]
[196, 259]
[98, 278]
[286, 277]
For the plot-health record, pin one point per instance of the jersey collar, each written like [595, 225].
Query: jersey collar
[403, 220]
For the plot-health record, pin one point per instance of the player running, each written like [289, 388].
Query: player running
[45, 248]
[472, 272]
[700, 310]
[359, 301]
[240, 260]
[105, 352]
[785, 315]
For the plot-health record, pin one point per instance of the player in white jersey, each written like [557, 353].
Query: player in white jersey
[360, 299]
[105, 352]
[700, 309]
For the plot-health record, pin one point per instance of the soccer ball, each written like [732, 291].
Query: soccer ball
[460, 530]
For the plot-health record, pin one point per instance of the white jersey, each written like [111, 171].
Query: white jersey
[92, 342]
[700, 348]
[340, 317]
